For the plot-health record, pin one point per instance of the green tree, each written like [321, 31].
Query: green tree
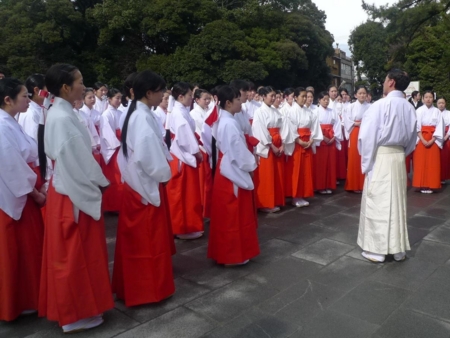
[369, 48]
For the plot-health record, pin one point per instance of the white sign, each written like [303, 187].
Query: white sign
[413, 85]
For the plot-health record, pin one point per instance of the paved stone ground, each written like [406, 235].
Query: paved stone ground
[309, 281]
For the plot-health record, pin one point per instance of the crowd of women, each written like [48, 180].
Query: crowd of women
[165, 160]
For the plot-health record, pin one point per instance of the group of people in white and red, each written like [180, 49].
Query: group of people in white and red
[166, 160]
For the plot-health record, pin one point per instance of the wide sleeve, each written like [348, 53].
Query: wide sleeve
[237, 161]
[185, 138]
[440, 130]
[108, 133]
[261, 133]
[15, 173]
[367, 138]
[337, 129]
[80, 176]
[349, 120]
[288, 135]
[150, 157]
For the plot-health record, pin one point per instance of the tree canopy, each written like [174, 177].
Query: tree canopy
[410, 34]
[277, 42]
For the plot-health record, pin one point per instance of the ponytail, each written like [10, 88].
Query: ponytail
[125, 127]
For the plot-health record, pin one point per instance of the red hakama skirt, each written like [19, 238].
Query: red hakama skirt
[427, 162]
[269, 182]
[20, 261]
[233, 237]
[185, 203]
[325, 161]
[112, 197]
[75, 278]
[355, 177]
[445, 159]
[299, 177]
[144, 248]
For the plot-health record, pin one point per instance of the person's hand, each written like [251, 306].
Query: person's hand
[425, 142]
[38, 197]
[326, 140]
[331, 140]
[357, 124]
[199, 157]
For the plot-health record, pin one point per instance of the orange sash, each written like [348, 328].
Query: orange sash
[276, 137]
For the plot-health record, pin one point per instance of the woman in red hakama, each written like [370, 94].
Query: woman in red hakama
[352, 120]
[325, 158]
[110, 126]
[270, 128]
[445, 151]
[143, 259]
[233, 238]
[21, 225]
[75, 287]
[427, 157]
[184, 188]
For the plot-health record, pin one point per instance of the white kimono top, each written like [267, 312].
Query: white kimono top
[237, 161]
[390, 121]
[109, 123]
[267, 117]
[29, 121]
[352, 113]
[17, 179]
[93, 114]
[76, 173]
[184, 144]
[244, 120]
[198, 114]
[329, 116]
[252, 106]
[286, 108]
[124, 111]
[446, 117]
[100, 105]
[161, 119]
[303, 117]
[431, 117]
[89, 125]
[146, 166]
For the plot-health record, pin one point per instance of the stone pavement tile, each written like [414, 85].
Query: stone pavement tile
[345, 233]
[178, 323]
[322, 210]
[31, 326]
[185, 291]
[266, 231]
[432, 252]
[425, 222]
[254, 324]
[415, 235]
[441, 235]
[323, 252]
[346, 200]
[422, 201]
[338, 220]
[289, 217]
[437, 211]
[305, 235]
[301, 302]
[217, 275]
[371, 301]
[356, 253]
[352, 211]
[433, 297]
[345, 273]
[229, 301]
[331, 324]
[183, 264]
[409, 324]
[284, 273]
[274, 250]
[409, 274]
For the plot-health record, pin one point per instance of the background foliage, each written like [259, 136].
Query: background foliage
[278, 42]
[412, 35]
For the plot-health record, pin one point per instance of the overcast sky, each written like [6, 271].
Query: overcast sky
[343, 16]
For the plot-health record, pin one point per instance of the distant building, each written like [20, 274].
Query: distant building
[342, 70]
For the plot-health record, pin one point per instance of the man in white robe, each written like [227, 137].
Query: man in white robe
[387, 134]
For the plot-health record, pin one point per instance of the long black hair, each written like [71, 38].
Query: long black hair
[33, 81]
[127, 86]
[144, 82]
[57, 76]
